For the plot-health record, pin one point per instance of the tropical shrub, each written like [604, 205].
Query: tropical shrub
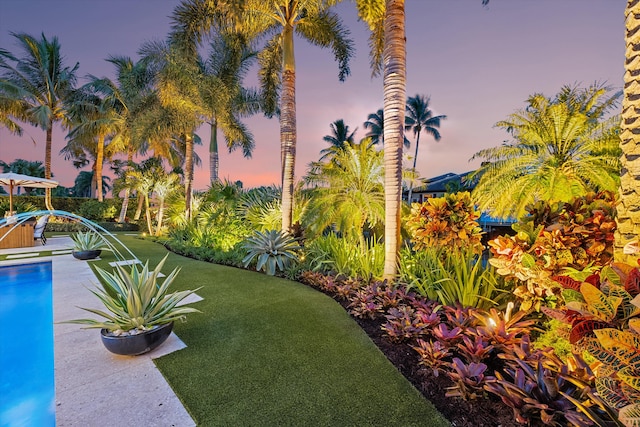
[19, 206]
[604, 314]
[551, 238]
[273, 250]
[451, 277]
[95, 210]
[449, 222]
[332, 254]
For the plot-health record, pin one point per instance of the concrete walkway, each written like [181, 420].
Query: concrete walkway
[93, 386]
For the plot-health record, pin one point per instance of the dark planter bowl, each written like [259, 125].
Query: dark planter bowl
[84, 255]
[133, 345]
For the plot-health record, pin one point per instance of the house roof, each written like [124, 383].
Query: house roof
[438, 184]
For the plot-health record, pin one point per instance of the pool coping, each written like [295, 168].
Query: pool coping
[93, 386]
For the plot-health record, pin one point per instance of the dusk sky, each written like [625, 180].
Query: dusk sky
[478, 64]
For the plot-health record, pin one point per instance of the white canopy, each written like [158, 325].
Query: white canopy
[15, 179]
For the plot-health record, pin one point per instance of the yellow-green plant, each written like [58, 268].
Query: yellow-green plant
[135, 300]
[273, 249]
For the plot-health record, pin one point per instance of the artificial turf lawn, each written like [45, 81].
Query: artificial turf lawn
[268, 351]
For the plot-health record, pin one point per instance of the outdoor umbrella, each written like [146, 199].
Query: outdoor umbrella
[15, 179]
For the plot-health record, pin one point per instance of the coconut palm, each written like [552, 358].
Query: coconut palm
[339, 139]
[563, 147]
[41, 83]
[350, 193]
[84, 184]
[419, 118]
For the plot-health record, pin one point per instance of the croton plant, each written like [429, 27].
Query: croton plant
[551, 238]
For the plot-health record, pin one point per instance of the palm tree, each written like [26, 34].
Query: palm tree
[178, 113]
[563, 148]
[388, 46]
[163, 187]
[95, 120]
[375, 122]
[351, 194]
[42, 84]
[419, 118]
[224, 98]
[84, 184]
[277, 21]
[628, 216]
[339, 139]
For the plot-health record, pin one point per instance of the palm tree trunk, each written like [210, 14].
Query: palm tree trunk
[99, 162]
[127, 193]
[214, 161]
[148, 214]
[394, 81]
[628, 210]
[415, 159]
[93, 184]
[159, 217]
[188, 174]
[47, 164]
[288, 127]
[139, 208]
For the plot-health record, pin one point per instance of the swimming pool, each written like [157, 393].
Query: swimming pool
[27, 386]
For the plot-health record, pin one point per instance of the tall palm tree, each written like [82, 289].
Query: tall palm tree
[386, 20]
[419, 118]
[84, 184]
[563, 147]
[179, 113]
[95, 120]
[42, 84]
[339, 139]
[224, 98]
[163, 187]
[628, 216]
[132, 93]
[351, 193]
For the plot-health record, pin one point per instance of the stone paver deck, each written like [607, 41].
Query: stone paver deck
[93, 386]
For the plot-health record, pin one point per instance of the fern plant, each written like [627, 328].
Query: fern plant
[274, 250]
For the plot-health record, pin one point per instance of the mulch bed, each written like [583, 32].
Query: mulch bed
[485, 412]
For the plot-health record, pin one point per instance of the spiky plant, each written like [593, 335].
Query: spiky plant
[275, 250]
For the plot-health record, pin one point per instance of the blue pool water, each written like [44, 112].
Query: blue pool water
[27, 387]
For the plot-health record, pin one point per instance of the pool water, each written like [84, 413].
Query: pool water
[27, 387]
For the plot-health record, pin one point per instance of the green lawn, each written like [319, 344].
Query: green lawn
[267, 351]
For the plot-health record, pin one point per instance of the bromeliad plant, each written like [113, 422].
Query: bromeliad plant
[274, 250]
[135, 301]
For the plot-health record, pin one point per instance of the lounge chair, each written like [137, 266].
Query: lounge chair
[38, 231]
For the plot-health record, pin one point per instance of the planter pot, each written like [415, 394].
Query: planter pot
[133, 345]
[84, 255]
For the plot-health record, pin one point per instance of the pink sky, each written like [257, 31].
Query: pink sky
[478, 65]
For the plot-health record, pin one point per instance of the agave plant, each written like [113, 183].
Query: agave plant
[134, 300]
[273, 249]
[88, 241]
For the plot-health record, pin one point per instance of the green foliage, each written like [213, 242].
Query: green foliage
[88, 241]
[450, 277]
[135, 300]
[19, 206]
[551, 238]
[97, 211]
[273, 250]
[449, 222]
[556, 336]
[331, 253]
[564, 147]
